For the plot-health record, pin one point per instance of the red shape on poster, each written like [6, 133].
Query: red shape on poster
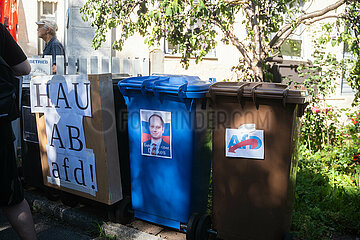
[8, 15]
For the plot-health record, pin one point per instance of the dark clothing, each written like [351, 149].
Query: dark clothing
[162, 150]
[11, 191]
[53, 48]
[9, 49]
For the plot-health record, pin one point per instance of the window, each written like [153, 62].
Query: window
[291, 47]
[47, 9]
[345, 87]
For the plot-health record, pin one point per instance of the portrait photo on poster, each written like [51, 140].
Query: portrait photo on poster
[156, 133]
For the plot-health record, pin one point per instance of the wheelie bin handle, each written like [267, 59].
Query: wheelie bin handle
[180, 90]
[240, 92]
[147, 82]
[285, 95]
[253, 94]
[212, 92]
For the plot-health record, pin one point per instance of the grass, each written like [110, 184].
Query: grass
[327, 198]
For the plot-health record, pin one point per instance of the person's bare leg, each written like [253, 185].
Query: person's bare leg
[21, 220]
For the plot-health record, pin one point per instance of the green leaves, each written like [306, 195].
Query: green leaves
[327, 199]
[190, 25]
[169, 11]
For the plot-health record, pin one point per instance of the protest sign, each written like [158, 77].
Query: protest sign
[77, 134]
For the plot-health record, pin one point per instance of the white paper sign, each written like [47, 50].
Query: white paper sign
[65, 100]
[65, 133]
[64, 94]
[40, 66]
[74, 172]
[248, 143]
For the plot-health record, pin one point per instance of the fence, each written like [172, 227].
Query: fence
[91, 65]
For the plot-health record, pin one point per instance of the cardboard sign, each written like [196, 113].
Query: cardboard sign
[156, 133]
[245, 142]
[76, 126]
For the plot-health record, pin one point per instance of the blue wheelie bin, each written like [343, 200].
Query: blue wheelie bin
[169, 147]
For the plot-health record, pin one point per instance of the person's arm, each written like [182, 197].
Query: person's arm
[22, 68]
[13, 54]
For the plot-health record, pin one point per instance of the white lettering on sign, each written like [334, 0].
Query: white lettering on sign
[244, 143]
[65, 100]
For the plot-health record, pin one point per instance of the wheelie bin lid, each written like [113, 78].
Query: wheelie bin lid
[180, 85]
[258, 90]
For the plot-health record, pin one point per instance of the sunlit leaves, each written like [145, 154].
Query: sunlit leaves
[192, 25]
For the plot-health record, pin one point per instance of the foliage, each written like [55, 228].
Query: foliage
[193, 25]
[319, 127]
[327, 200]
[351, 37]
[320, 122]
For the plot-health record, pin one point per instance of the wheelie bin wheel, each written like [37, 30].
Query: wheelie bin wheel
[69, 200]
[122, 211]
[203, 227]
[191, 226]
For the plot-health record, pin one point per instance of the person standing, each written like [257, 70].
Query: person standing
[47, 31]
[12, 201]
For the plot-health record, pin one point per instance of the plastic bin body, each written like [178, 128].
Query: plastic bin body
[122, 134]
[167, 190]
[253, 198]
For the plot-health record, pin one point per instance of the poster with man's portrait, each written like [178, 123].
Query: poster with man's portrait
[156, 133]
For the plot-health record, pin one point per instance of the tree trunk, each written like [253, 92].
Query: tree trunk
[258, 71]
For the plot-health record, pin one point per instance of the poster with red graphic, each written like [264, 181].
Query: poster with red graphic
[244, 143]
[2, 9]
[156, 133]
[8, 11]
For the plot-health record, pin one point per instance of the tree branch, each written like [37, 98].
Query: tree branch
[234, 40]
[279, 43]
[303, 18]
[237, 2]
[309, 22]
[247, 9]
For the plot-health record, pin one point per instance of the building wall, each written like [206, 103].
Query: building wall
[27, 33]
[79, 34]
